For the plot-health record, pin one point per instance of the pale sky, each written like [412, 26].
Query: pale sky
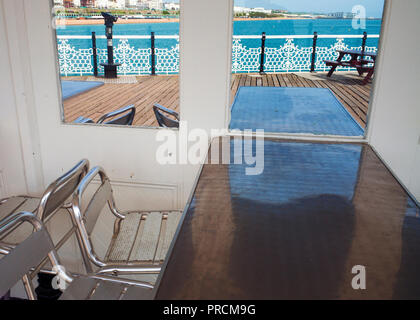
[374, 8]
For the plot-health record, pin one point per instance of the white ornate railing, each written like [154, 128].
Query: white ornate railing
[133, 60]
[288, 56]
[285, 56]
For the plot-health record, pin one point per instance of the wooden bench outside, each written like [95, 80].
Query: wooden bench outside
[362, 65]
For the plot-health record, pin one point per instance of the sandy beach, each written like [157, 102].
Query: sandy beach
[79, 22]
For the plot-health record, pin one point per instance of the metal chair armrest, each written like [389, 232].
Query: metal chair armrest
[83, 120]
[116, 113]
[166, 110]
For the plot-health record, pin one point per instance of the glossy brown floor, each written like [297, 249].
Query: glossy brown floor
[297, 230]
[347, 87]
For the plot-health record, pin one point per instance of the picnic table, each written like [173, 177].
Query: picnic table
[357, 61]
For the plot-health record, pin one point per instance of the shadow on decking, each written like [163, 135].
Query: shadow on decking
[144, 91]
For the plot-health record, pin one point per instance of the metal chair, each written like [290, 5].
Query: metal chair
[83, 120]
[163, 120]
[125, 120]
[22, 261]
[53, 199]
[139, 240]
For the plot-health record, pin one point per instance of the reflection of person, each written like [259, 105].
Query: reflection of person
[408, 280]
[379, 202]
[286, 235]
[295, 250]
[207, 235]
[277, 235]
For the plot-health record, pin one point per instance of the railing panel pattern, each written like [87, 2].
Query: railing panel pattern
[285, 56]
[74, 61]
[167, 60]
[288, 57]
[245, 59]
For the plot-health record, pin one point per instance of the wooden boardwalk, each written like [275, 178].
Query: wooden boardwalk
[347, 87]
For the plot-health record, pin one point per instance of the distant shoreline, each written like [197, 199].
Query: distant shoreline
[81, 22]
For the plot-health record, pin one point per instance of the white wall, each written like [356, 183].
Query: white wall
[12, 171]
[206, 46]
[394, 126]
[127, 154]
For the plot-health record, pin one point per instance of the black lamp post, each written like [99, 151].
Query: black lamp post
[110, 67]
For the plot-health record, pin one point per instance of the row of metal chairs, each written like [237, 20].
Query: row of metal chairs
[140, 239]
[165, 117]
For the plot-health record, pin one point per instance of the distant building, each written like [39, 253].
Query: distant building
[151, 4]
[341, 15]
[261, 10]
[87, 3]
[68, 3]
[116, 4]
[155, 4]
[171, 6]
[131, 4]
[102, 4]
[143, 4]
[241, 10]
[248, 10]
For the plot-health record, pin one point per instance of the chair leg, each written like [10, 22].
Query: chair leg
[368, 76]
[331, 71]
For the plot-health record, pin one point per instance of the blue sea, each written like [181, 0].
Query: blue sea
[271, 27]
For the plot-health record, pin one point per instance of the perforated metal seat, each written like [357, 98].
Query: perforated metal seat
[144, 237]
[21, 264]
[139, 241]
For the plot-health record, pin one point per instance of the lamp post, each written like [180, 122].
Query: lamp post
[110, 67]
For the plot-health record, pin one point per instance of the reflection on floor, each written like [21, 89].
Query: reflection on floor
[297, 230]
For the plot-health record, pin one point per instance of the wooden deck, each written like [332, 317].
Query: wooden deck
[164, 90]
[109, 97]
